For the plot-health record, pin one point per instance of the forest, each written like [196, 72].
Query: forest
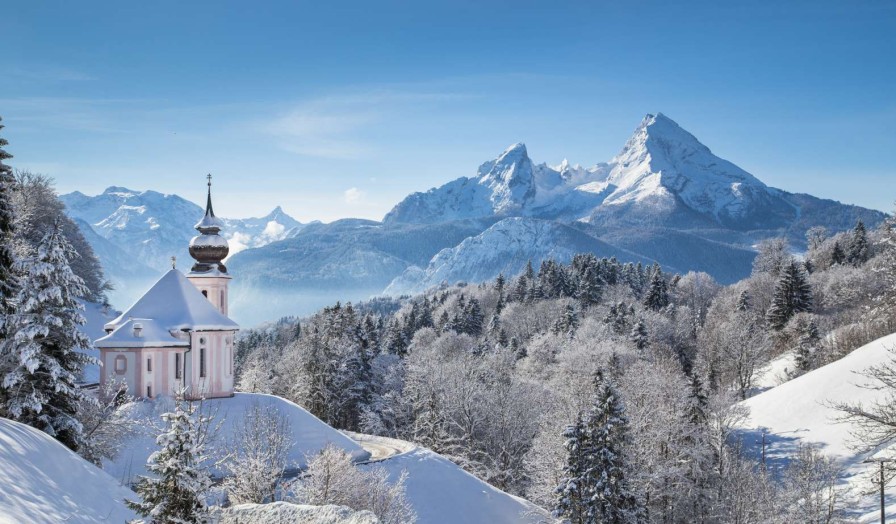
[535, 382]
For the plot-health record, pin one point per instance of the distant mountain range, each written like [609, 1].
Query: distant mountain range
[665, 197]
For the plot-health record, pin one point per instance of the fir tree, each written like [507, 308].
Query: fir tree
[573, 494]
[500, 282]
[594, 488]
[46, 348]
[858, 245]
[176, 491]
[639, 335]
[807, 346]
[743, 301]
[657, 296]
[589, 289]
[8, 280]
[792, 295]
[837, 255]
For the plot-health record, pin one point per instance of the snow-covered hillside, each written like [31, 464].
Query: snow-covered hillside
[801, 411]
[42, 481]
[309, 433]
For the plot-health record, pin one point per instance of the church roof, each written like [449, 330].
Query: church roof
[175, 304]
[138, 333]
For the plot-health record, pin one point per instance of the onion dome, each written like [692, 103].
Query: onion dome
[209, 248]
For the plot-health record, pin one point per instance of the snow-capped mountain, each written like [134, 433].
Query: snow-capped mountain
[664, 197]
[135, 233]
[662, 173]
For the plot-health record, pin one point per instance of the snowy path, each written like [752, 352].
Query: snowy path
[380, 448]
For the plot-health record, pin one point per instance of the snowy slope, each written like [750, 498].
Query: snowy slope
[309, 433]
[42, 481]
[443, 493]
[281, 512]
[799, 411]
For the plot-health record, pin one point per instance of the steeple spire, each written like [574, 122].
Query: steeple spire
[209, 212]
[209, 248]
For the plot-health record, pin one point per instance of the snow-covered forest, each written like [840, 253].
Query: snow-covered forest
[539, 381]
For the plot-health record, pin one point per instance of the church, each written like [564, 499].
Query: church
[178, 335]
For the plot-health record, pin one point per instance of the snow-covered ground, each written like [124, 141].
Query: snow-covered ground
[443, 493]
[42, 481]
[775, 373]
[308, 432]
[800, 411]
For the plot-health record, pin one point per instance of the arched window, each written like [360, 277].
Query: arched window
[222, 300]
[202, 361]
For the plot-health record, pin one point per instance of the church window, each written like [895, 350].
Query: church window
[121, 364]
[148, 391]
[202, 362]
[177, 366]
[149, 364]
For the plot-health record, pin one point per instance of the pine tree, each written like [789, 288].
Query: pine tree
[792, 295]
[8, 280]
[573, 494]
[837, 255]
[657, 296]
[589, 289]
[807, 346]
[175, 492]
[500, 282]
[639, 335]
[858, 245]
[594, 488]
[46, 346]
[743, 301]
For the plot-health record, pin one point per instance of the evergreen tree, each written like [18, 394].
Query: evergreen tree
[838, 257]
[46, 349]
[657, 296]
[589, 289]
[472, 318]
[500, 282]
[176, 491]
[858, 245]
[594, 488]
[639, 335]
[568, 322]
[573, 494]
[743, 301]
[792, 295]
[8, 277]
[807, 346]
[8, 280]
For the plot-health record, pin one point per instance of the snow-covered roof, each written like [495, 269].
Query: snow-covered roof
[140, 333]
[174, 303]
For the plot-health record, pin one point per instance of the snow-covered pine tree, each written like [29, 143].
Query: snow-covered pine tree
[8, 281]
[176, 490]
[46, 345]
[573, 503]
[8, 278]
[589, 289]
[594, 488]
[838, 257]
[657, 296]
[807, 346]
[743, 301]
[639, 335]
[792, 295]
[858, 245]
[611, 501]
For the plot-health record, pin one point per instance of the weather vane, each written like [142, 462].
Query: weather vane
[209, 177]
[173, 262]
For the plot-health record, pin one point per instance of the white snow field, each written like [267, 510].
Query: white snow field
[42, 481]
[800, 411]
[443, 493]
[309, 433]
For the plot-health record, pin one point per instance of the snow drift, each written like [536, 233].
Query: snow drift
[43, 481]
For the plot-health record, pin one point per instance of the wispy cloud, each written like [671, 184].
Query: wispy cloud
[337, 126]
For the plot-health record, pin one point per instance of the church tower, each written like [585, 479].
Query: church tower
[209, 249]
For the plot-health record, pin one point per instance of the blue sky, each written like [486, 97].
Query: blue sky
[337, 109]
